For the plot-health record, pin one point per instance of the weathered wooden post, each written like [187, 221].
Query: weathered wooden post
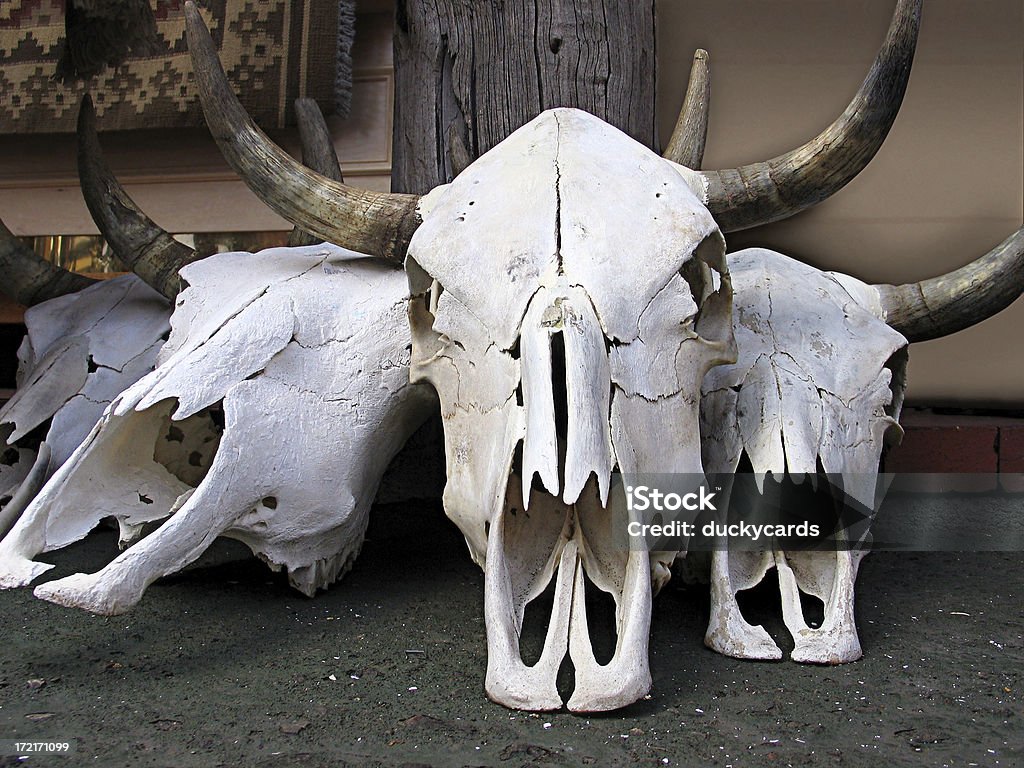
[469, 72]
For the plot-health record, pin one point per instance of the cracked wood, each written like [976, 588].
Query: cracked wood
[470, 72]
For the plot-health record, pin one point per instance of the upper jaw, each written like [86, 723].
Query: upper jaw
[567, 544]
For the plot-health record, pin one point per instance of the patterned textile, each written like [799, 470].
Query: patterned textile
[274, 51]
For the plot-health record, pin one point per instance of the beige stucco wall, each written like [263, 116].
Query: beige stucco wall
[946, 186]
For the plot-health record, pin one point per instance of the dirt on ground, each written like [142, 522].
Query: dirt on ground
[225, 665]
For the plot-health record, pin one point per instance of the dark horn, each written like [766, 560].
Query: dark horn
[374, 223]
[317, 154]
[959, 299]
[763, 192]
[145, 248]
[28, 279]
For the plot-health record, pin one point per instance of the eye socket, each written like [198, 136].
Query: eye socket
[710, 287]
[420, 281]
[436, 289]
[423, 286]
[697, 275]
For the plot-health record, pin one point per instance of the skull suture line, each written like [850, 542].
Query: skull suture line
[602, 226]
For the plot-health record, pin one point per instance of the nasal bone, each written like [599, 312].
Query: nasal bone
[586, 444]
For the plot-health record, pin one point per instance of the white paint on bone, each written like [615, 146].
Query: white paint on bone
[818, 379]
[294, 481]
[568, 227]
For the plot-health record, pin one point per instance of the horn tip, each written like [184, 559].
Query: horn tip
[192, 15]
[86, 117]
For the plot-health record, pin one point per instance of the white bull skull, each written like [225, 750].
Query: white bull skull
[816, 390]
[569, 292]
[305, 352]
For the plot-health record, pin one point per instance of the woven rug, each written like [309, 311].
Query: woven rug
[274, 51]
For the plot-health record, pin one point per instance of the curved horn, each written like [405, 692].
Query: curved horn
[760, 193]
[317, 154]
[317, 146]
[686, 146]
[959, 299]
[146, 249]
[370, 222]
[29, 279]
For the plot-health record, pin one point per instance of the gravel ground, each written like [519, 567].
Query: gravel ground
[224, 665]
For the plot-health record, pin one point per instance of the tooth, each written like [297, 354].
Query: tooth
[836, 640]
[508, 586]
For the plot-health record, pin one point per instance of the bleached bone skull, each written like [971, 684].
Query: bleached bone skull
[816, 391]
[81, 350]
[305, 351]
[568, 268]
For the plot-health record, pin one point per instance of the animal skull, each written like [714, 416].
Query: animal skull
[89, 340]
[82, 349]
[544, 319]
[816, 389]
[316, 332]
[569, 293]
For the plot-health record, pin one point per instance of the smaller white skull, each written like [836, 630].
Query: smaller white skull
[816, 390]
[81, 350]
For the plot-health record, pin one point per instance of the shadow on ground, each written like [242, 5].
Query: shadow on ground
[224, 665]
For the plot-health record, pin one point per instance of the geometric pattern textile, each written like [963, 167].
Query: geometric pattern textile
[274, 51]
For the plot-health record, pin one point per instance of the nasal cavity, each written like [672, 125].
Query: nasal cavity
[545, 398]
[559, 393]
